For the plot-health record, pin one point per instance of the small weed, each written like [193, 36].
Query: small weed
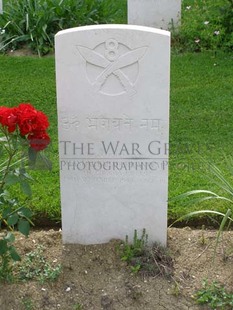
[27, 303]
[203, 239]
[150, 260]
[35, 267]
[132, 252]
[135, 269]
[175, 289]
[227, 253]
[78, 306]
[215, 296]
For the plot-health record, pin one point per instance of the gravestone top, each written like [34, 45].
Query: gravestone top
[113, 113]
[112, 27]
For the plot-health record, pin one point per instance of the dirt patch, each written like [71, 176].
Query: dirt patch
[94, 277]
[24, 51]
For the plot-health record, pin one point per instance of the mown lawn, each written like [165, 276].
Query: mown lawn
[201, 120]
[28, 79]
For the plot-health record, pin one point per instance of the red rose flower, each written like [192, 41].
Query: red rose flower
[39, 140]
[8, 118]
[31, 123]
[42, 121]
[31, 120]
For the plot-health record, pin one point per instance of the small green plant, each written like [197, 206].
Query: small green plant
[78, 306]
[203, 239]
[132, 252]
[27, 303]
[215, 296]
[151, 260]
[176, 290]
[36, 267]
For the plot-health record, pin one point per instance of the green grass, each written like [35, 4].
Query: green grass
[33, 80]
[200, 115]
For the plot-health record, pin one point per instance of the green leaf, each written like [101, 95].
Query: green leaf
[221, 228]
[25, 212]
[10, 237]
[3, 246]
[24, 227]
[202, 212]
[12, 179]
[14, 255]
[26, 188]
[12, 219]
[6, 212]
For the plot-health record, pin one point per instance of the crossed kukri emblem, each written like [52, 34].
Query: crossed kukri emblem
[112, 62]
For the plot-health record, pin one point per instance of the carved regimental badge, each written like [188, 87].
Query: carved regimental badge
[112, 67]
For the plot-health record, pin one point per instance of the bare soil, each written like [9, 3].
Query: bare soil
[95, 277]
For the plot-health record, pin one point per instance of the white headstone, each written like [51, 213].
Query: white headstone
[113, 114]
[0, 6]
[160, 14]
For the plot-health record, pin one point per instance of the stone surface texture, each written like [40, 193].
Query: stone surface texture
[113, 115]
[162, 14]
